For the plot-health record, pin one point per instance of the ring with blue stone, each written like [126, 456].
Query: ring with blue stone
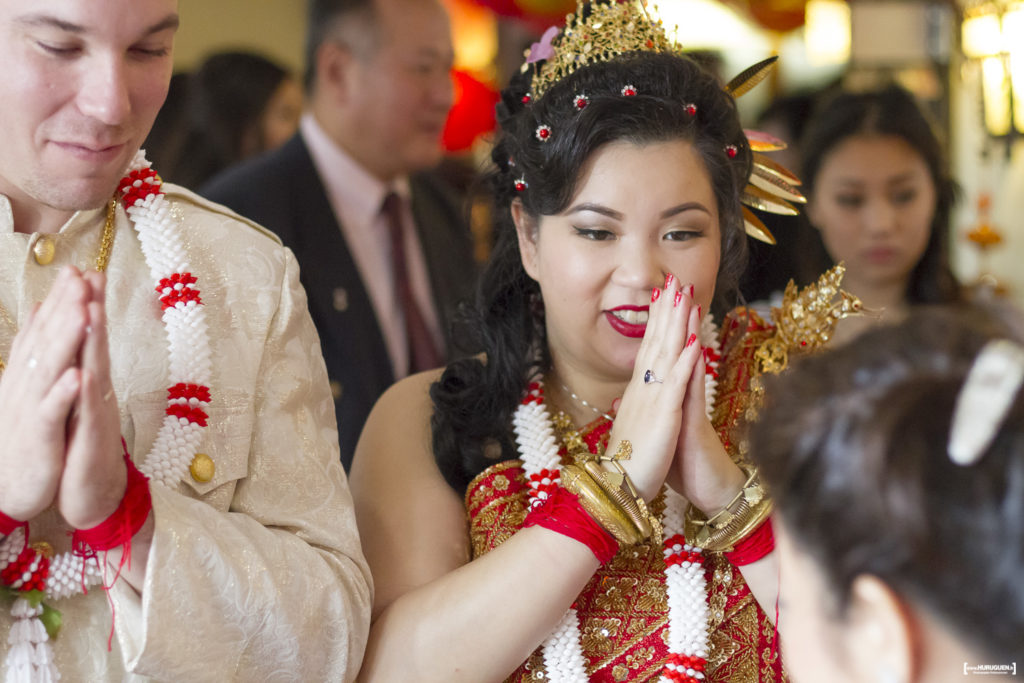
[650, 377]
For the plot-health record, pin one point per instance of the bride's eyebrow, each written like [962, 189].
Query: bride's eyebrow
[596, 208]
[688, 206]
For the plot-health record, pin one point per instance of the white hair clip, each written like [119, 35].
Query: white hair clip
[991, 386]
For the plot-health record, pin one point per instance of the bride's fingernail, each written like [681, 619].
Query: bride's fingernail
[655, 293]
[700, 310]
[691, 291]
[669, 279]
[679, 297]
[689, 342]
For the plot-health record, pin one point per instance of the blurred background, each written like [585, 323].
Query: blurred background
[963, 59]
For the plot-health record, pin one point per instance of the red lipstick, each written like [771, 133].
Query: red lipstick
[626, 329]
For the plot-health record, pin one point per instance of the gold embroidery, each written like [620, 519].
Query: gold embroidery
[626, 598]
[495, 511]
[640, 657]
[653, 594]
[718, 593]
[769, 656]
[478, 490]
[598, 635]
[567, 433]
[743, 331]
[737, 653]
[615, 594]
[477, 497]
[533, 669]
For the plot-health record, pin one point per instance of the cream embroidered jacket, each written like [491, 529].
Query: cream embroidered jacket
[256, 575]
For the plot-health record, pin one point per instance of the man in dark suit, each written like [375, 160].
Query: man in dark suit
[383, 248]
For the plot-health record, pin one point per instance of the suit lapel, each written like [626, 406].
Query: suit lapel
[340, 303]
[435, 222]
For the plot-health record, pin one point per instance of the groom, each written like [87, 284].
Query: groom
[173, 450]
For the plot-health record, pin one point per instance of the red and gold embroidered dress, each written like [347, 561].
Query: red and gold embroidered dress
[623, 610]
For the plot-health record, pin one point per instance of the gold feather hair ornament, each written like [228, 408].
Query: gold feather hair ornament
[612, 29]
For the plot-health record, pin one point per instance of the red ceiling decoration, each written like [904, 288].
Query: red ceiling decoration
[538, 11]
[472, 115]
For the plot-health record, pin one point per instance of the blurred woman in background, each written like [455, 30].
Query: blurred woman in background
[236, 105]
[879, 191]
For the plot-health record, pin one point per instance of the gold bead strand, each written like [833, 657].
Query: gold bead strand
[107, 237]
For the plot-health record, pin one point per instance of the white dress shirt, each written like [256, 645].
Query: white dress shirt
[356, 197]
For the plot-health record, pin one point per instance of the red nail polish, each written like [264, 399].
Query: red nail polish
[655, 293]
[699, 310]
[691, 291]
[669, 279]
[679, 297]
[689, 342]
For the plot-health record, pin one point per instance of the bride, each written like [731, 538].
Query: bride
[523, 512]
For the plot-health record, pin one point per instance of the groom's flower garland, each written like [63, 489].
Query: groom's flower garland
[684, 569]
[30, 571]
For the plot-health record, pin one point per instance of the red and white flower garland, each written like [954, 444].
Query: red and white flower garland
[184, 319]
[25, 569]
[684, 569]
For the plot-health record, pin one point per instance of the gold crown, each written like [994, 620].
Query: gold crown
[616, 28]
[610, 30]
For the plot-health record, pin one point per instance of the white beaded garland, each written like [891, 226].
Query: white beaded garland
[685, 583]
[189, 356]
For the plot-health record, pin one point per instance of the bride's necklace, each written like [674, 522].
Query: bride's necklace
[574, 396]
[32, 572]
[687, 598]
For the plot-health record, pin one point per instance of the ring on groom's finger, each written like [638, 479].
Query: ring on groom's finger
[651, 378]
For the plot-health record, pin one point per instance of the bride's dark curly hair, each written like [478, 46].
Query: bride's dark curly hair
[474, 400]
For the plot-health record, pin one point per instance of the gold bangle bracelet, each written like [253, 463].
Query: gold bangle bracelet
[620, 497]
[620, 488]
[599, 506]
[725, 539]
[737, 520]
[628, 488]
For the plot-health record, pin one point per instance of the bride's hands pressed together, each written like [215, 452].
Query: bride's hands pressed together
[702, 471]
[650, 414]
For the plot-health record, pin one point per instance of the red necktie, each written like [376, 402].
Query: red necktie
[423, 354]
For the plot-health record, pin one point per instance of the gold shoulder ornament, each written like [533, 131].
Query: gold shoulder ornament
[806, 319]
